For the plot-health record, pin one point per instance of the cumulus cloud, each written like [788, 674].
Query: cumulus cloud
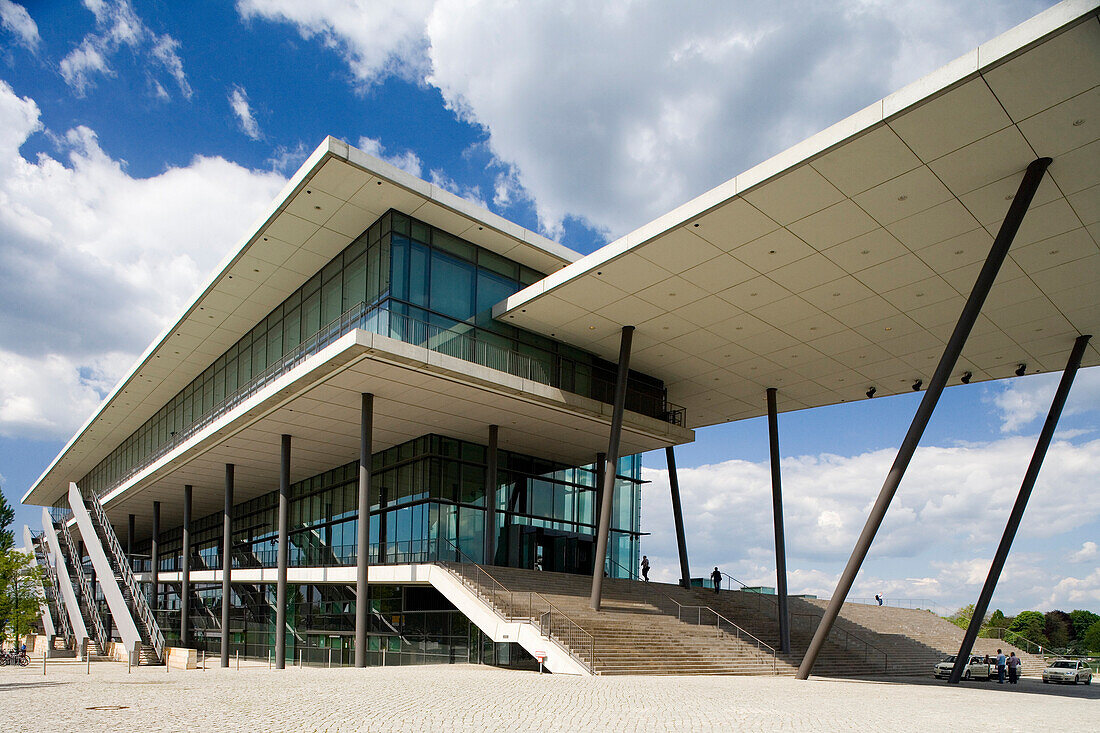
[117, 27]
[1022, 401]
[613, 113]
[238, 101]
[947, 515]
[407, 161]
[18, 21]
[1088, 553]
[78, 226]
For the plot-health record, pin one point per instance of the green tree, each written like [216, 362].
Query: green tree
[1030, 624]
[7, 516]
[998, 620]
[21, 581]
[1091, 638]
[1082, 620]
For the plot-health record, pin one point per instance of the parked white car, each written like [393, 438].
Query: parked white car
[1068, 670]
[978, 668]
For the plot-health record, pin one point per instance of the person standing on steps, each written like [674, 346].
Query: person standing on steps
[878, 597]
[716, 577]
[1000, 667]
[645, 568]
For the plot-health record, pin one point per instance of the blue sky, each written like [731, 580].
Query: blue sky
[121, 120]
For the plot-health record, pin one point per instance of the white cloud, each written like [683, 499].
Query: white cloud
[16, 19]
[1021, 401]
[470, 193]
[117, 27]
[375, 37]
[407, 161]
[238, 100]
[78, 226]
[947, 515]
[615, 113]
[1087, 553]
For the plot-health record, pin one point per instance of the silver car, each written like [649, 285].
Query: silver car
[1068, 670]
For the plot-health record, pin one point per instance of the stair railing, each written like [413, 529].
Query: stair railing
[55, 599]
[552, 622]
[1011, 637]
[140, 603]
[91, 608]
[706, 616]
[841, 635]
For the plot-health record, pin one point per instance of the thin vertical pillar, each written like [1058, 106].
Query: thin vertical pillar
[777, 514]
[678, 516]
[227, 560]
[1045, 436]
[185, 569]
[967, 318]
[154, 558]
[283, 553]
[611, 466]
[362, 556]
[130, 541]
[601, 464]
[491, 497]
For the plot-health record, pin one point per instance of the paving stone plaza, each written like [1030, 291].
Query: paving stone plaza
[479, 698]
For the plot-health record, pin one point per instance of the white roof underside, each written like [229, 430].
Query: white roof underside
[844, 262]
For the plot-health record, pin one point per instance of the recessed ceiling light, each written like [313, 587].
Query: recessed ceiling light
[591, 328]
[836, 295]
[903, 197]
[318, 208]
[1079, 121]
[958, 251]
[752, 295]
[1008, 197]
[920, 295]
[1054, 252]
[771, 251]
[672, 295]
[865, 251]
[308, 191]
[889, 328]
[695, 225]
[813, 328]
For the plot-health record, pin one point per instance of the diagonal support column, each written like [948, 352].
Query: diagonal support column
[1045, 436]
[227, 561]
[362, 556]
[678, 517]
[283, 553]
[967, 318]
[44, 608]
[185, 569]
[777, 514]
[67, 592]
[611, 466]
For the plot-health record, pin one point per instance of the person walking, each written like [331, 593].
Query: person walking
[645, 568]
[1013, 668]
[716, 577]
[1000, 667]
[878, 598]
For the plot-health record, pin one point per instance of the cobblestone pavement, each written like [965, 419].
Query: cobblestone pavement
[475, 698]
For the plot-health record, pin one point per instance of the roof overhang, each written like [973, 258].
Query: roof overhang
[416, 391]
[336, 194]
[844, 262]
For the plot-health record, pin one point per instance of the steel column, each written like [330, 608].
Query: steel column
[282, 553]
[967, 318]
[227, 560]
[1045, 436]
[601, 464]
[154, 557]
[611, 465]
[777, 514]
[491, 497]
[130, 541]
[362, 557]
[185, 569]
[678, 516]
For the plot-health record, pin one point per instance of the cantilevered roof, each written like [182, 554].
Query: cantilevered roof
[844, 262]
[336, 194]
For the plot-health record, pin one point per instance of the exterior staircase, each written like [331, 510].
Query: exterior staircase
[152, 640]
[53, 597]
[89, 609]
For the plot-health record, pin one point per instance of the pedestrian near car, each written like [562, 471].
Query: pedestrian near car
[716, 578]
[1013, 668]
[645, 568]
[1000, 667]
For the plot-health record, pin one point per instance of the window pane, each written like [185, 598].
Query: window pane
[452, 287]
[418, 275]
[491, 289]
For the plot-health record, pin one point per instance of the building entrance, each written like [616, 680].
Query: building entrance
[548, 549]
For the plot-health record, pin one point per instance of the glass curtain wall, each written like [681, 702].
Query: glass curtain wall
[440, 290]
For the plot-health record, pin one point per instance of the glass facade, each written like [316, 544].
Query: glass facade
[401, 266]
[428, 503]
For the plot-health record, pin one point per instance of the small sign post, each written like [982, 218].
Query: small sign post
[541, 656]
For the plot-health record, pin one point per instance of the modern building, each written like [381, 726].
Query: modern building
[385, 391]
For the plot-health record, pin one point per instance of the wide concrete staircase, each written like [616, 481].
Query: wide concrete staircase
[927, 629]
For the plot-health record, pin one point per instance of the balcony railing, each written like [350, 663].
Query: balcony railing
[458, 341]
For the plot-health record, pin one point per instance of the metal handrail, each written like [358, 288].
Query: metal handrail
[51, 574]
[848, 637]
[90, 606]
[573, 636]
[1002, 633]
[381, 320]
[719, 618]
[919, 604]
[139, 602]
